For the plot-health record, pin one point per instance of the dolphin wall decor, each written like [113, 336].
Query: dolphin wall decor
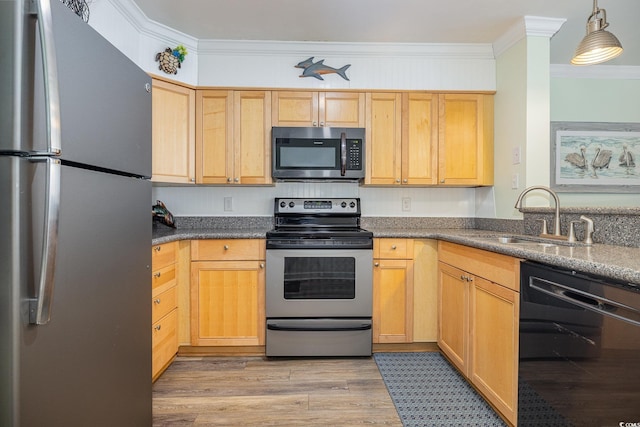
[316, 69]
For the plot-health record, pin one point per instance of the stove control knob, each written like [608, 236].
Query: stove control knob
[343, 204]
[283, 204]
[291, 204]
[352, 205]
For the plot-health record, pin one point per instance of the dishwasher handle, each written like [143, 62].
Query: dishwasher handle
[586, 300]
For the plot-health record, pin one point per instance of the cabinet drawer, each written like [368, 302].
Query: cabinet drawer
[228, 249]
[498, 268]
[393, 248]
[163, 303]
[164, 341]
[163, 276]
[163, 255]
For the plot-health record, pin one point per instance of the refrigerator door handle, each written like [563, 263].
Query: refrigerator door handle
[40, 306]
[50, 70]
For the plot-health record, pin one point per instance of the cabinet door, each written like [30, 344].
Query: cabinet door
[393, 301]
[453, 311]
[419, 138]
[493, 364]
[294, 108]
[465, 150]
[341, 109]
[173, 118]
[227, 303]
[252, 137]
[214, 137]
[383, 133]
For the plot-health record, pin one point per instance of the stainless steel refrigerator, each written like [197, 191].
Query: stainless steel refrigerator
[75, 224]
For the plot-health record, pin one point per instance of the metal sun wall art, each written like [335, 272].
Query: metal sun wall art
[595, 157]
[317, 69]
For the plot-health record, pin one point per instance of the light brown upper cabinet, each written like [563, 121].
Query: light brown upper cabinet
[173, 123]
[465, 139]
[330, 109]
[419, 139]
[233, 131]
[383, 138]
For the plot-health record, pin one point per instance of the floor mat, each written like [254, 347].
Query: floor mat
[428, 391]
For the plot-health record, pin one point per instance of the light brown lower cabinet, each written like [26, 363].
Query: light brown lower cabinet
[227, 292]
[164, 307]
[478, 312]
[393, 291]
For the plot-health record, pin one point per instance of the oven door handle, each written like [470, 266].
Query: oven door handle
[320, 328]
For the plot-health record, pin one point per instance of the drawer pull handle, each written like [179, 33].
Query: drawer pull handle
[226, 247]
[157, 274]
[156, 301]
[157, 248]
[157, 328]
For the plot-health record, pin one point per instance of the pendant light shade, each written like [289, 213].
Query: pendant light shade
[598, 45]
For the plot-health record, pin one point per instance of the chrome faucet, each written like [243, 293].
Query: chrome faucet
[588, 234]
[556, 219]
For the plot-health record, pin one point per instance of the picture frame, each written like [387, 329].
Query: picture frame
[595, 157]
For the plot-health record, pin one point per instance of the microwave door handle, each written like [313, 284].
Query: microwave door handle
[343, 154]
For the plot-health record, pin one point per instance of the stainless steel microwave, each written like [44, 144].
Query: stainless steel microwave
[316, 153]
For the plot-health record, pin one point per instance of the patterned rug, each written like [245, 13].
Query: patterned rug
[428, 391]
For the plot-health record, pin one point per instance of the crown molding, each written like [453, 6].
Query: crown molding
[434, 50]
[622, 72]
[152, 29]
[534, 26]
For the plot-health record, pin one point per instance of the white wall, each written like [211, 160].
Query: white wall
[611, 98]
[258, 201]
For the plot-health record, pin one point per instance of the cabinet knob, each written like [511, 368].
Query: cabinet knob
[158, 327]
[236, 180]
[442, 181]
[192, 179]
[405, 180]
[463, 277]
[156, 301]
[315, 124]
[262, 265]
[157, 248]
[397, 179]
[321, 124]
[394, 247]
[229, 179]
[376, 264]
[156, 274]
[226, 247]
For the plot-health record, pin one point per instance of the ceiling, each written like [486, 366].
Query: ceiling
[394, 21]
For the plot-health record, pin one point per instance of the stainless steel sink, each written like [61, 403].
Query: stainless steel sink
[523, 241]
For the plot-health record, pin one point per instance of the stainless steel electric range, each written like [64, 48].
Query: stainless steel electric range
[318, 279]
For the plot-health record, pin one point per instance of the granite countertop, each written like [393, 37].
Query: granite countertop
[617, 262]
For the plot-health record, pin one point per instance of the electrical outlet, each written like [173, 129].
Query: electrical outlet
[228, 204]
[406, 204]
[515, 155]
[515, 181]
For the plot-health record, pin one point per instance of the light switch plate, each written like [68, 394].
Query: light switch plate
[228, 204]
[515, 155]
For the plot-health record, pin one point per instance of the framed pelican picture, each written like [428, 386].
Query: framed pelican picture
[595, 157]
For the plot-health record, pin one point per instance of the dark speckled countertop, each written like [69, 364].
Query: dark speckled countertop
[618, 262]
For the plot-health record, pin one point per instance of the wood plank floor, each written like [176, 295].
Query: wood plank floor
[255, 391]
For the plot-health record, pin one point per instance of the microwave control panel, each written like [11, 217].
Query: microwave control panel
[354, 154]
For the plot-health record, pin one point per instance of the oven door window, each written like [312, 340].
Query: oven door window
[319, 278]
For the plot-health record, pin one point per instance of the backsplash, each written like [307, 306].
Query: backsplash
[613, 226]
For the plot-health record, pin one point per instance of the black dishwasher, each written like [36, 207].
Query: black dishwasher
[579, 362]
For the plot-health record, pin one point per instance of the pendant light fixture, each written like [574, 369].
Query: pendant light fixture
[598, 45]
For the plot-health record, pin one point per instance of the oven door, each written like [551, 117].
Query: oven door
[306, 283]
